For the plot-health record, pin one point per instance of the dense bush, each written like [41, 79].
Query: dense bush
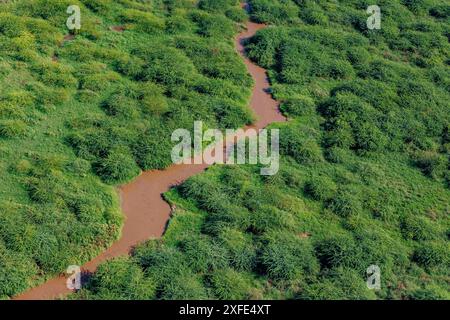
[345, 203]
[431, 254]
[299, 107]
[339, 251]
[117, 167]
[216, 5]
[17, 271]
[236, 14]
[321, 188]
[274, 11]
[341, 284]
[417, 228]
[230, 285]
[12, 128]
[203, 255]
[288, 259]
[128, 282]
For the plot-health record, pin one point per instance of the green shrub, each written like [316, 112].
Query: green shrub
[12, 128]
[100, 6]
[447, 178]
[117, 167]
[216, 5]
[337, 155]
[56, 75]
[229, 284]
[341, 284]
[99, 82]
[152, 149]
[118, 105]
[236, 14]
[430, 163]
[267, 11]
[300, 143]
[309, 152]
[17, 270]
[129, 65]
[144, 21]
[165, 65]
[417, 228]
[230, 115]
[240, 247]
[321, 188]
[121, 279]
[203, 255]
[53, 10]
[430, 293]
[267, 218]
[288, 259]
[186, 287]
[301, 106]
[432, 254]
[339, 251]
[160, 261]
[415, 5]
[440, 11]
[178, 24]
[214, 26]
[346, 203]
[10, 25]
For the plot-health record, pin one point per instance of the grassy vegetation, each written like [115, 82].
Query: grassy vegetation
[363, 179]
[308, 233]
[79, 116]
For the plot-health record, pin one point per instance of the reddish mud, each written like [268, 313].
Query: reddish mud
[145, 210]
[118, 28]
[67, 37]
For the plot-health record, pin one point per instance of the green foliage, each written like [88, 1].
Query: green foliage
[236, 14]
[417, 228]
[183, 288]
[300, 144]
[203, 255]
[342, 284]
[368, 109]
[339, 251]
[235, 236]
[432, 254]
[288, 259]
[274, 11]
[214, 25]
[431, 163]
[216, 5]
[345, 203]
[17, 269]
[375, 109]
[301, 106]
[12, 128]
[118, 167]
[120, 279]
[369, 130]
[143, 21]
[81, 111]
[321, 188]
[229, 284]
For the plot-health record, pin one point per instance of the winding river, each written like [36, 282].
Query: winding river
[146, 212]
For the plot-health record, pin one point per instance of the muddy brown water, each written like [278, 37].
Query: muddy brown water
[146, 212]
